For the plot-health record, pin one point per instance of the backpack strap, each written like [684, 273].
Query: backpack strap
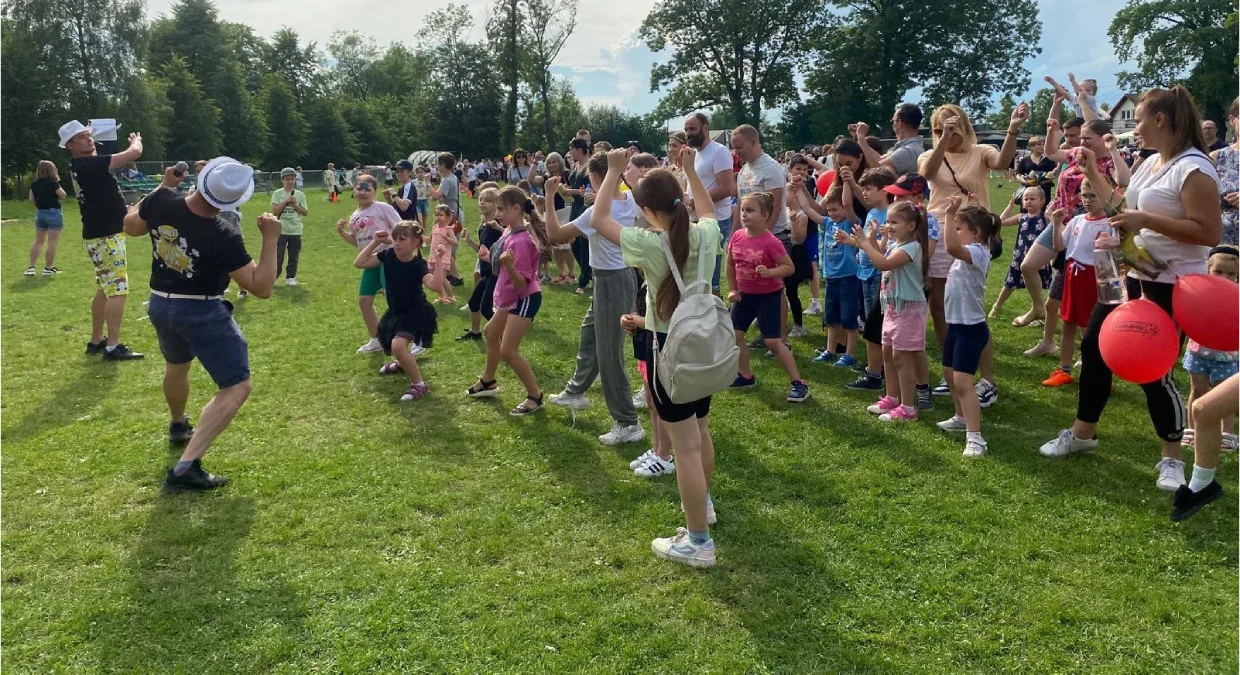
[671, 263]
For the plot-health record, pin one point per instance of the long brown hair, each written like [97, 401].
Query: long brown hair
[660, 192]
[1183, 117]
[921, 230]
[981, 221]
[511, 195]
[408, 229]
[46, 169]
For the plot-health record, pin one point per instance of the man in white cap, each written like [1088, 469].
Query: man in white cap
[103, 215]
[195, 253]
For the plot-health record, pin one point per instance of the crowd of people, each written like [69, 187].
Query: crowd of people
[895, 243]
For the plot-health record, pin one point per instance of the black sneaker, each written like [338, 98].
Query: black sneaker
[93, 348]
[859, 367]
[468, 336]
[924, 401]
[757, 343]
[179, 433]
[866, 383]
[1188, 502]
[121, 353]
[456, 281]
[195, 479]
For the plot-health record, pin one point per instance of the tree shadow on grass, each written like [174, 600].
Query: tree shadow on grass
[92, 384]
[187, 610]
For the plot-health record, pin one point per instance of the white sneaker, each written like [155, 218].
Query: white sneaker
[639, 399]
[1170, 474]
[622, 434]
[953, 423]
[1066, 444]
[656, 467]
[987, 393]
[681, 549]
[291, 281]
[814, 308]
[370, 347]
[975, 449]
[416, 349]
[642, 459]
[567, 400]
[30, 272]
[796, 331]
[1230, 441]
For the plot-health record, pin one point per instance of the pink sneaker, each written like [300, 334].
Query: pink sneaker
[884, 405]
[900, 414]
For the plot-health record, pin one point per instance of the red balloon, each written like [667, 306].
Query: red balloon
[1139, 341]
[825, 179]
[1207, 308]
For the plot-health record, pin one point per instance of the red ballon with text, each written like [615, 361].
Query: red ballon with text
[1207, 308]
[1139, 341]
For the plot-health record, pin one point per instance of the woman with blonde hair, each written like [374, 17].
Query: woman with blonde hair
[562, 254]
[45, 194]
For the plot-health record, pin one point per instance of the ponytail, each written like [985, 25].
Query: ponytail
[921, 230]
[660, 192]
[1183, 117]
[983, 223]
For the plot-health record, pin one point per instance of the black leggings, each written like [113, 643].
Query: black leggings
[792, 283]
[1162, 397]
[484, 292]
[581, 251]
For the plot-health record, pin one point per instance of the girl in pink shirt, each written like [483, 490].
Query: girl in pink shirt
[443, 241]
[517, 298]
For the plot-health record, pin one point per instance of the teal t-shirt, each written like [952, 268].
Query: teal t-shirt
[905, 283]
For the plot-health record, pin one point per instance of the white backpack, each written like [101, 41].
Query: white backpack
[699, 356]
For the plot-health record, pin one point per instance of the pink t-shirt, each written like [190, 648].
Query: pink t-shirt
[442, 235]
[365, 222]
[525, 261]
[748, 253]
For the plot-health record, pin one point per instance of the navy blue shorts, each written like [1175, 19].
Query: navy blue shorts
[527, 307]
[203, 330]
[761, 306]
[962, 350]
[843, 303]
[811, 246]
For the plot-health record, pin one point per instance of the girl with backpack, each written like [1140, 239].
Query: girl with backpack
[694, 248]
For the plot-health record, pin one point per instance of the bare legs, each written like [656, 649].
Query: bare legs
[695, 464]
[367, 304]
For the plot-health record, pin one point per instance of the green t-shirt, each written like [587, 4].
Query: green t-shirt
[290, 220]
[905, 283]
[642, 250]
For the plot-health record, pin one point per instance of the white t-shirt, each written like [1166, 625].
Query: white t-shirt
[1157, 191]
[710, 160]
[605, 255]
[1079, 236]
[763, 175]
[966, 285]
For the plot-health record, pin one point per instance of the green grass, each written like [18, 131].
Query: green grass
[362, 534]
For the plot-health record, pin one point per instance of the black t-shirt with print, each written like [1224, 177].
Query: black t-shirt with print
[407, 191]
[192, 255]
[99, 196]
[44, 190]
[403, 280]
[1027, 166]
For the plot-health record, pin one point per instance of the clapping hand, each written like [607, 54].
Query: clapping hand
[269, 226]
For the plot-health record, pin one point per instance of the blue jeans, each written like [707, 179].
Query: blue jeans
[202, 329]
[725, 229]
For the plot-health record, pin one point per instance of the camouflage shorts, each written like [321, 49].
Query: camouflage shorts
[108, 255]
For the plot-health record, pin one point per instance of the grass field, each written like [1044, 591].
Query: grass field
[362, 534]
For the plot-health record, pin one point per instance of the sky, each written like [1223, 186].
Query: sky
[607, 62]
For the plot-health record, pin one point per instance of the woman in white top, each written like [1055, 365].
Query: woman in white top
[1172, 204]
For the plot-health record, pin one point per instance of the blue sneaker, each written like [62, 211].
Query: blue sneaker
[798, 392]
[825, 357]
[845, 361]
[681, 549]
[741, 382]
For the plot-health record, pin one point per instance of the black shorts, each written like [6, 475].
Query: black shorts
[872, 331]
[963, 346]
[527, 307]
[761, 306]
[669, 411]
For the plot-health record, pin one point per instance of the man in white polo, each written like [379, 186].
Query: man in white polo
[195, 253]
[714, 165]
[103, 215]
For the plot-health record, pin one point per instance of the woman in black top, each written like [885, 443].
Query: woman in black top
[1038, 166]
[45, 194]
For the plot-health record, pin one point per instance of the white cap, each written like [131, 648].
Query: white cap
[226, 183]
[70, 129]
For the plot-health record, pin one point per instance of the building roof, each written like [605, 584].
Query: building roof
[1125, 97]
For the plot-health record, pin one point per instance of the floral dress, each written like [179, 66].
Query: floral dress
[1026, 234]
[1229, 181]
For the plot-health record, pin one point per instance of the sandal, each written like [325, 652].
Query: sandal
[482, 389]
[391, 368]
[1026, 320]
[523, 409]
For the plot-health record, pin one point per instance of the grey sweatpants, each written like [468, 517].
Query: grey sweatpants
[601, 352]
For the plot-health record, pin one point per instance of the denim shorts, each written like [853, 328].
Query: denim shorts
[423, 207]
[49, 219]
[203, 330]
[725, 229]
[761, 306]
[843, 295]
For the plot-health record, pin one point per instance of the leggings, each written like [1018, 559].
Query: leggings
[791, 285]
[480, 290]
[1162, 397]
[581, 251]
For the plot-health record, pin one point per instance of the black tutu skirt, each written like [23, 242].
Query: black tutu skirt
[418, 324]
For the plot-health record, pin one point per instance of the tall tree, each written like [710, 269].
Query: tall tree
[372, 139]
[248, 50]
[298, 66]
[739, 54]
[195, 118]
[352, 55]
[242, 129]
[330, 139]
[548, 24]
[286, 126]
[1180, 41]
[1040, 109]
[465, 115]
[503, 28]
[194, 32]
[566, 112]
[30, 109]
[146, 108]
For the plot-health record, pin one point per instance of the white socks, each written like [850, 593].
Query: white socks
[975, 436]
[1201, 478]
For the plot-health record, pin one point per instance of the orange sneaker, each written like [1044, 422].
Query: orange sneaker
[1058, 378]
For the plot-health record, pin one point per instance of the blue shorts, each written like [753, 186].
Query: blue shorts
[203, 330]
[527, 307]
[423, 207]
[869, 293]
[811, 246]
[49, 219]
[1215, 369]
[963, 347]
[842, 309]
[725, 229]
[761, 306]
